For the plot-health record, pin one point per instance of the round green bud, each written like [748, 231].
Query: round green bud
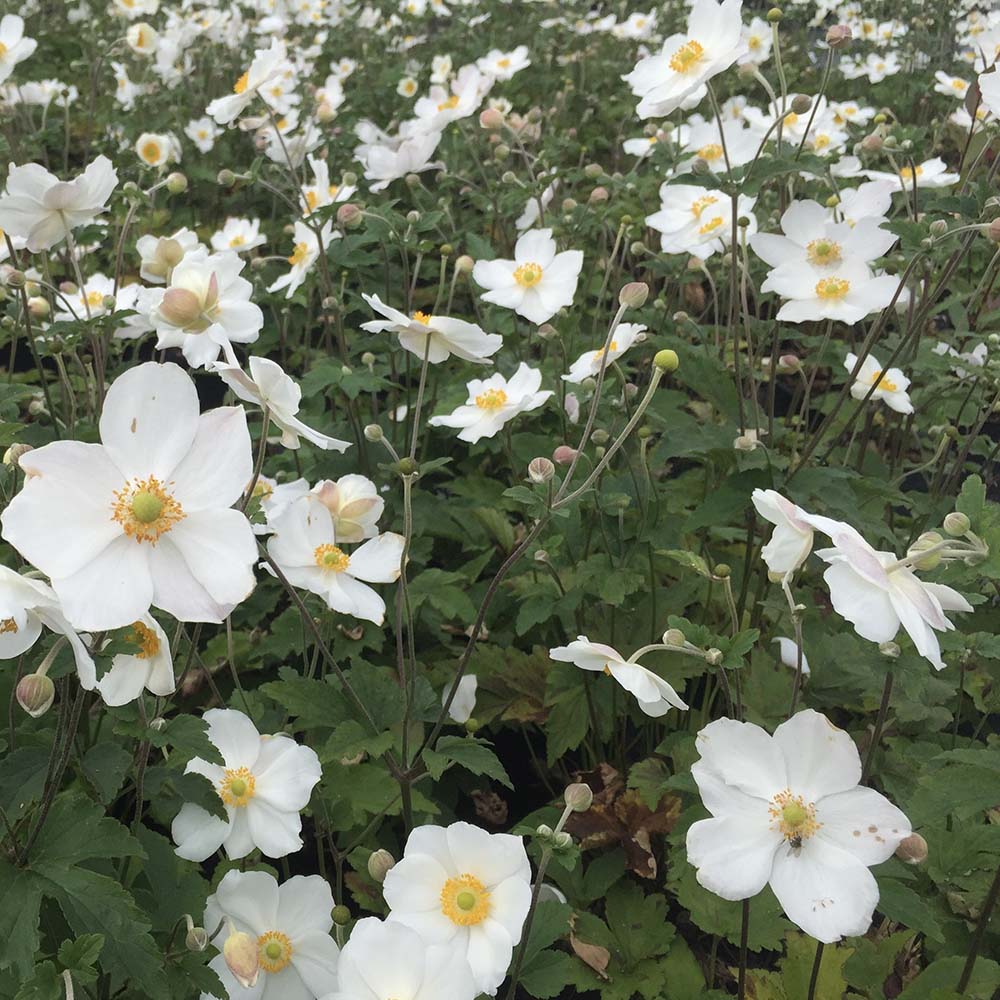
[666, 360]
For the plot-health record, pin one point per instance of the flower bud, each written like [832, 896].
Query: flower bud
[838, 36]
[713, 656]
[789, 364]
[578, 797]
[541, 470]
[177, 183]
[600, 436]
[801, 104]
[569, 204]
[35, 694]
[15, 278]
[464, 264]
[12, 456]
[491, 119]
[956, 524]
[225, 178]
[446, 250]
[666, 361]
[180, 307]
[872, 143]
[547, 331]
[379, 864]
[341, 916]
[700, 167]
[564, 454]
[722, 571]
[598, 195]
[408, 466]
[912, 849]
[928, 540]
[562, 839]
[544, 831]
[889, 649]
[938, 227]
[349, 216]
[242, 957]
[593, 170]
[373, 432]
[196, 938]
[674, 637]
[993, 230]
[634, 294]
[774, 15]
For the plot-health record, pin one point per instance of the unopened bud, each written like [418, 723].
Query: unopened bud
[544, 830]
[225, 178]
[177, 183]
[912, 849]
[578, 796]
[569, 204]
[774, 15]
[196, 938]
[379, 864]
[180, 307]
[722, 571]
[373, 432]
[593, 170]
[801, 104]
[541, 470]
[598, 195]
[938, 227]
[838, 36]
[562, 840]
[12, 456]
[501, 151]
[634, 294]
[15, 278]
[349, 216]
[491, 119]
[408, 466]
[35, 694]
[993, 230]
[666, 361]
[600, 436]
[564, 454]
[956, 524]
[674, 637]
[872, 143]
[341, 916]
[928, 540]
[700, 167]
[713, 656]
[464, 264]
[789, 363]
[547, 331]
[242, 956]
[889, 649]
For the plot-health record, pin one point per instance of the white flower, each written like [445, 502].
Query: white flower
[42, 209]
[205, 307]
[291, 922]
[322, 192]
[877, 594]
[304, 546]
[14, 47]
[655, 696]
[384, 164]
[305, 253]
[872, 199]
[789, 654]
[704, 141]
[435, 337]
[711, 44]
[537, 283]
[25, 606]
[440, 69]
[503, 65]
[125, 90]
[792, 538]
[464, 702]
[757, 36]
[695, 220]
[155, 150]
[787, 810]
[890, 385]
[589, 363]
[441, 107]
[151, 668]
[202, 132]
[847, 292]
[494, 401]
[264, 783]
[143, 518]
[929, 174]
[270, 388]
[159, 255]
[466, 889]
[88, 300]
[142, 38]
[266, 66]
[407, 87]
[418, 971]
[952, 86]
[354, 505]
[238, 235]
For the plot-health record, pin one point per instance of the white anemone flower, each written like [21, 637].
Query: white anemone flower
[712, 43]
[144, 517]
[203, 132]
[465, 889]
[464, 702]
[150, 669]
[305, 253]
[26, 606]
[14, 47]
[238, 235]
[271, 389]
[878, 593]
[159, 255]
[932, 173]
[142, 38]
[435, 337]
[847, 292]
[494, 401]
[354, 505]
[655, 696]
[418, 971]
[264, 783]
[304, 547]
[387, 163]
[291, 924]
[787, 811]
[788, 652]
[503, 65]
[694, 220]
[890, 385]
[206, 307]
[537, 283]
[590, 362]
[792, 538]
[266, 66]
[43, 210]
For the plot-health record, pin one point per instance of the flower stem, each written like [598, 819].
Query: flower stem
[977, 938]
[883, 711]
[814, 978]
[741, 988]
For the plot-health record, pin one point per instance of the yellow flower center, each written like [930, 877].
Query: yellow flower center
[711, 225]
[503, 63]
[687, 57]
[794, 818]
[791, 118]
[421, 317]
[145, 510]
[465, 901]
[754, 42]
[491, 399]
[140, 634]
[8, 625]
[710, 152]
[699, 206]
[311, 199]
[528, 275]
[150, 151]
[237, 241]
[451, 102]
[908, 173]
[821, 141]
[237, 786]
[274, 950]
[599, 353]
[241, 84]
[94, 299]
[3, 50]
[331, 558]
[883, 383]
[832, 288]
[262, 489]
[959, 84]
[823, 252]
[299, 254]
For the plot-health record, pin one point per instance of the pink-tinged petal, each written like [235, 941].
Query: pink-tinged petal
[218, 466]
[821, 759]
[149, 420]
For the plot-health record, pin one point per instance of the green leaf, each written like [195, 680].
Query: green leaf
[639, 922]
[548, 975]
[81, 955]
[689, 560]
[22, 778]
[77, 830]
[314, 704]
[469, 752]
[944, 973]
[972, 499]
[20, 903]
[797, 966]
[900, 903]
[105, 766]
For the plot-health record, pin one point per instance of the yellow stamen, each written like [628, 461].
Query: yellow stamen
[299, 254]
[699, 206]
[710, 152]
[711, 226]
[823, 252]
[793, 817]
[451, 102]
[275, 951]
[883, 383]
[832, 288]
[237, 241]
[331, 558]
[140, 634]
[241, 84]
[150, 152]
[237, 786]
[421, 317]
[528, 275]
[145, 510]
[465, 901]
[7, 626]
[491, 399]
[687, 57]
[908, 173]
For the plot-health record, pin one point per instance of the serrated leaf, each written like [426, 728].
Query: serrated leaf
[473, 754]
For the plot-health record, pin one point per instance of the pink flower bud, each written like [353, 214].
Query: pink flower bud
[563, 455]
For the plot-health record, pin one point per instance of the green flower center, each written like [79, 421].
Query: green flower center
[794, 814]
[465, 900]
[146, 507]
